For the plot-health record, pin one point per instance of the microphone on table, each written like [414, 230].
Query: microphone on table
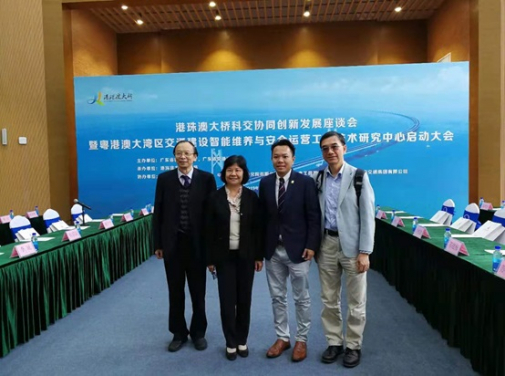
[76, 201]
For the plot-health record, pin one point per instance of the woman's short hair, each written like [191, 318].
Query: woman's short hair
[240, 162]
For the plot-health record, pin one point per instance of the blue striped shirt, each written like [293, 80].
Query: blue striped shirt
[332, 191]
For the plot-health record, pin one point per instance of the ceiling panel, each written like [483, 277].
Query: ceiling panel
[158, 15]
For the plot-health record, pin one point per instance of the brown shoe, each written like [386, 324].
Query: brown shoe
[299, 352]
[278, 348]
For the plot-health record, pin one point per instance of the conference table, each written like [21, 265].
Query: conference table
[40, 289]
[458, 295]
[6, 234]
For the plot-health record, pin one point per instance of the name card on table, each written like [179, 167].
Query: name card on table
[456, 247]
[23, 250]
[501, 270]
[106, 224]
[421, 232]
[5, 219]
[397, 222]
[381, 215]
[144, 212]
[487, 206]
[126, 217]
[71, 235]
[31, 214]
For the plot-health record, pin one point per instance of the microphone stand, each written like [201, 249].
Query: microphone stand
[83, 216]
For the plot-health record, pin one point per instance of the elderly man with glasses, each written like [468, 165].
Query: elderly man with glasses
[178, 224]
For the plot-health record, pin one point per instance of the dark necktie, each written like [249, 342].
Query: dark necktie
[282, 191]
[186, 181]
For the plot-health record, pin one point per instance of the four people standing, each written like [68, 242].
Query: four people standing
[288, 225]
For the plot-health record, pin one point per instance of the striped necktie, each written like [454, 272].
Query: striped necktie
[282, 191]
[186, 181]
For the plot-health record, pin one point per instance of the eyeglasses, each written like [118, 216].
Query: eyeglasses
[333, 148]
[180, 154]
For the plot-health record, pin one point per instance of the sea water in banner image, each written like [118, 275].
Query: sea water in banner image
[407, 125]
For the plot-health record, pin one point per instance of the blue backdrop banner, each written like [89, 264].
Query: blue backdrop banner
[406, 125]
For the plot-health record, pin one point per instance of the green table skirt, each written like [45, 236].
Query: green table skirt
[459, 296]
[39, 290]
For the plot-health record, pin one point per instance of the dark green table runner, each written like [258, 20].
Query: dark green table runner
[458, 295]
[37, 291]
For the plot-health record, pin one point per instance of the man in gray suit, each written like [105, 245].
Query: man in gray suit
[348, 237]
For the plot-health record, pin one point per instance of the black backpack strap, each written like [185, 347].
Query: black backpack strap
[358, 182]
[319, 180]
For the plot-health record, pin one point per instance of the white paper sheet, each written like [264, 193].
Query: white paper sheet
[492, 251]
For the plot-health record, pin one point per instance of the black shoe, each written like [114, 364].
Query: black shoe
[176, 344]
[243, 353]
[200, 344]
[231, 356]
[352, 358]
[331, 354]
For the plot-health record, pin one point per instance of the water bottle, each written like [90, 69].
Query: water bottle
[497, 257]
[149, 208]
[447, 236]
[393, 212]
[111, 217]
[78, 226]
[35, 241]
[131, 212]
[414, 224]
[37, 210]
[377, 208]
[502, 204]
[481, 201]
[11, 213]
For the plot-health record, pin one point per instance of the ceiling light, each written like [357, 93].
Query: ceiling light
[306, 12]
[139, 22]
[212, 4]
[398, 9]
[218, 17]
[124, 7]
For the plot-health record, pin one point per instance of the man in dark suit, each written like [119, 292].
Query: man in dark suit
[292, 220]
[178, 226]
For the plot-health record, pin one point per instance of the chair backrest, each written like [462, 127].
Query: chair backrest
[86, 217]
[19, 223]
[472, 212]
[448, 206]
[76, 211]
[50, 216]
[499, 217]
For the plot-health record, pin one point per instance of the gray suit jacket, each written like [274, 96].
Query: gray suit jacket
[356, 227]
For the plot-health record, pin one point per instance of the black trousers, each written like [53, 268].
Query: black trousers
[178, 267]
[235, 280]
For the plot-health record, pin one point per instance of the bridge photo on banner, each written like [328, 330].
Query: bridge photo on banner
[406, 125]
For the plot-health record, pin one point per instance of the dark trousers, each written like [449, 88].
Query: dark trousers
[235, 279]
[179, 266]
